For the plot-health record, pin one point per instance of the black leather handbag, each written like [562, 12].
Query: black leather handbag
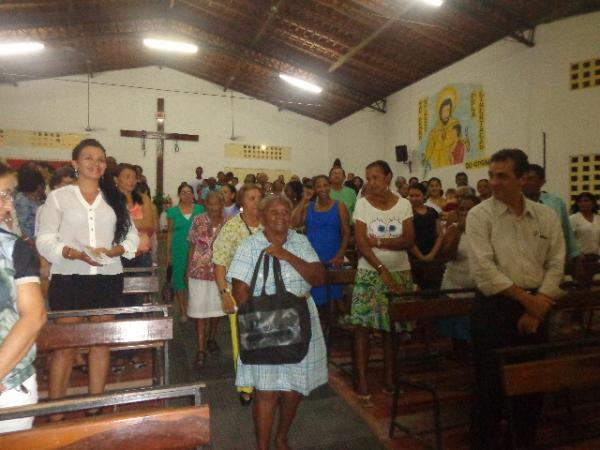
[273, 328]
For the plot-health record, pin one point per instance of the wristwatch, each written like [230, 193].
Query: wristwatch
[224, 291]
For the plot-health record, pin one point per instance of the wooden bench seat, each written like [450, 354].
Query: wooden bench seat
[149, 428]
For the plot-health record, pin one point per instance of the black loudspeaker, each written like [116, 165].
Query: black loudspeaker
[401, 153]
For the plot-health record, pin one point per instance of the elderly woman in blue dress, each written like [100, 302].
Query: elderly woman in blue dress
[280, 385]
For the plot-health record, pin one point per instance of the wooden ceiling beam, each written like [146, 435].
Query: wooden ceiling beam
[270, 17]
[430, 41]
[288, 38]
[275, 65]
[367, 40]
[482, 12]
[255, 92]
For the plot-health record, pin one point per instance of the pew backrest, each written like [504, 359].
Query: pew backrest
[552, 374]
[340, 276]
[85, 334]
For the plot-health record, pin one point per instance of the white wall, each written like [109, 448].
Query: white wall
[527, 92]
[52, 105]
[358, 140]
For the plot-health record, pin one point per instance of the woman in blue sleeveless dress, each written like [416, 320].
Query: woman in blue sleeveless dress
[327, 229]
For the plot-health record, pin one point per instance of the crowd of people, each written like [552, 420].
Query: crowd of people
[505, 238]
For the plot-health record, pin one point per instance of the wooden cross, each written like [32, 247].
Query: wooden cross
[160, 136]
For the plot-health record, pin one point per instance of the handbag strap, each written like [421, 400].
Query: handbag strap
[255, 274]
[279, 284]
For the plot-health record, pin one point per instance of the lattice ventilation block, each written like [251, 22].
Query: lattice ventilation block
[248, 151]
[585, 74]
[584, 174]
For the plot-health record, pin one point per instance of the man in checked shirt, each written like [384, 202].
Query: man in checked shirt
[516, 256]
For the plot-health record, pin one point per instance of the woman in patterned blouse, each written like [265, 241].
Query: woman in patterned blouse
[233, 232]
[204, 300]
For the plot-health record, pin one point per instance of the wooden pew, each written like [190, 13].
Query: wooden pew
[142, 281]
[405, 306]
[344, 276]
[556, 372]
[153, 332]
[149, 428]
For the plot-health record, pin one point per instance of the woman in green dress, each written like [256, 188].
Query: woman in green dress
[180, 219]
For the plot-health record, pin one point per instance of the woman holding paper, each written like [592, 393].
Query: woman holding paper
[84, 230]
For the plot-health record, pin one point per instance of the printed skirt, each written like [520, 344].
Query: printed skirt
[370, 304]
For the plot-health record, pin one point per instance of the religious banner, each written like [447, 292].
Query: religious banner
[40, 139]
[451, 127]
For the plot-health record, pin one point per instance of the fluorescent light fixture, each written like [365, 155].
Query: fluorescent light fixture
[301, 83]
[20, 48]
[436, 3]
[171, 46]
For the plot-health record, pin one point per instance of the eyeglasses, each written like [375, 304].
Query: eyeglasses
[6, 195]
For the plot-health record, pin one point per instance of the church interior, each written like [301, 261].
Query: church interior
[383, 105]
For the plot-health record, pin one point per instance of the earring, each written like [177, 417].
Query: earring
[76, 173]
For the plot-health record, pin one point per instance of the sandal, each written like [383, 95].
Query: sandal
[245, 398]
[93, 412]
[138, 365]
[83, 368]
[200, 359]
[118, 369]
[365, 400]
[213, 347]
[388, 390]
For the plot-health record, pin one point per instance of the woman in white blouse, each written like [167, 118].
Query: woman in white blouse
[586, 224]
[84, 230]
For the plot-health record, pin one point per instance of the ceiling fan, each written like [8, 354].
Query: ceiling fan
[88, 128]
[233, 136]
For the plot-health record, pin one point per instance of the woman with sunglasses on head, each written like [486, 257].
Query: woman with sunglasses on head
[84, 231]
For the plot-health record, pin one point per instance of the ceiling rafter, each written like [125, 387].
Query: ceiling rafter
[483, 11]
[105, 36]
[271, 16]
[245, 44]
[412, 40]
[289, 38]
[275, 65]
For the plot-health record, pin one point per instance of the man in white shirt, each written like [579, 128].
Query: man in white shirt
[196, 182]
[516, 256]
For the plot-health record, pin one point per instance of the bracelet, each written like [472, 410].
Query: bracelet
[224, 291]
